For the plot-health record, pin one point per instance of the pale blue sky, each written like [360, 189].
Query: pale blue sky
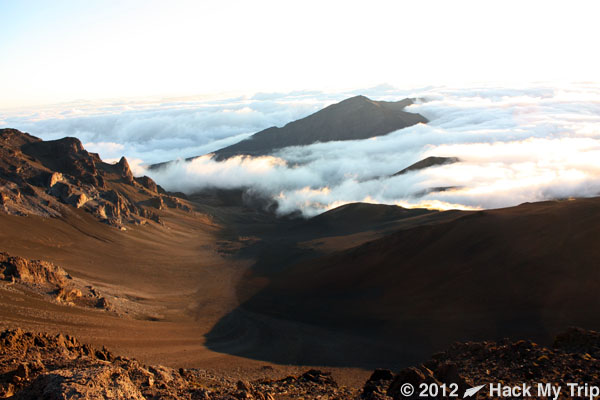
[55, 51]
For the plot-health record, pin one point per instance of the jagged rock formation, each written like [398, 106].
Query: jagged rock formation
[39, 365]
[575, 357]
[39, 177]
[26, 355]
[31, 272]
[50, 280]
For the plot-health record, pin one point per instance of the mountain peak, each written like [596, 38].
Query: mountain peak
[358, 98]
[355, 101]
[354, 118]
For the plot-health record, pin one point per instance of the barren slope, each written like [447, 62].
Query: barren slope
[526, 271]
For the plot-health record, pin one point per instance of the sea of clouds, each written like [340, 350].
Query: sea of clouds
[514, 144]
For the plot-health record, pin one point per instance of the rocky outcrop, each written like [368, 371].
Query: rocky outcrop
[34, 272]
[51, 281]
[39, 178]
[55, 177]
[148, 183]
[43, 366]
[573, 358]
[99, 382]
[123, 169]
[175, 202]
[24, 356]
[40, 365]
[67, 156]
[377, 385]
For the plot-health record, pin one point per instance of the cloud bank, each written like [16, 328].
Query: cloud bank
[163, 130]
[515, 145]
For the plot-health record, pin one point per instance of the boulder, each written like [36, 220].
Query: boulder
[99, 382]
[31, 271]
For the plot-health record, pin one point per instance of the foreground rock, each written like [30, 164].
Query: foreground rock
[574, 357]
[25, 356]
[48, 178]
[42, 366]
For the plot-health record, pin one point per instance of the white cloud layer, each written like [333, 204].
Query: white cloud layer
[515, 145]
[163, 130]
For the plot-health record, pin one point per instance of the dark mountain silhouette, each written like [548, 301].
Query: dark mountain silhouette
[357, 217]
[351, 119]
[426, 163]
[354, 118]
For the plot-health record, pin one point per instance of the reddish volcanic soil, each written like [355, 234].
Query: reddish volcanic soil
[172, 280]
[208, 282]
